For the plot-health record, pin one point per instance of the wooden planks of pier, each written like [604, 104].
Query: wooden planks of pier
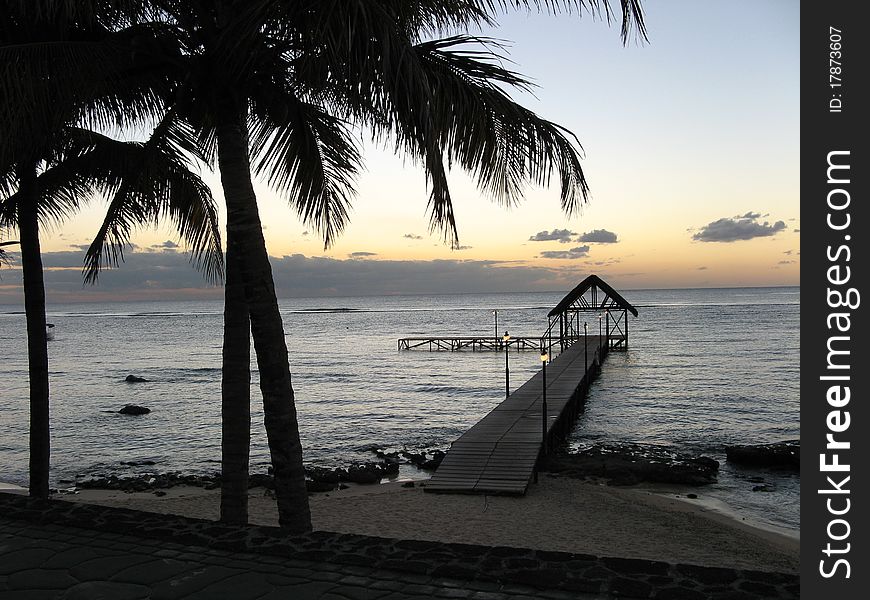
[498, 455]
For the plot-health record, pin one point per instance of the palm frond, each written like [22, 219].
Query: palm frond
[310, 157]
[151, 182]
[502, 143]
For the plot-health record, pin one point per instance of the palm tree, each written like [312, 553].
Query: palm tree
[53, 75]
[274, 89]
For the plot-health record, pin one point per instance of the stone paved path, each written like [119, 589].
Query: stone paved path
[116, 553]
[67, 563]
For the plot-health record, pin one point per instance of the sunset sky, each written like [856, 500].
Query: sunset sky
[692, 155]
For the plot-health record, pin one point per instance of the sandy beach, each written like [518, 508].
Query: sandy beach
[556, 514]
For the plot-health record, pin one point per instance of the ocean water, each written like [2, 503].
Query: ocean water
[705, 368]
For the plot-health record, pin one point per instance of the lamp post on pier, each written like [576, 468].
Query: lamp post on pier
[585, 349]
[607, 327]
[507, 373]
[599, 337]
[544, 358]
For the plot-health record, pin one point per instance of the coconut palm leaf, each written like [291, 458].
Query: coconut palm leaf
[309, 156]
[151, 182]
[4, 257]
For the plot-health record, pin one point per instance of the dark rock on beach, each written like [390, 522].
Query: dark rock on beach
[628, 464]
[422, 461]
[427, 460]
[132, 409]
[323, 479]
[147, 481]
[134, 379]
[781, 455]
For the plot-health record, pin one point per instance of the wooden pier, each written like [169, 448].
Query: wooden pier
[500, 454]
[473, 343]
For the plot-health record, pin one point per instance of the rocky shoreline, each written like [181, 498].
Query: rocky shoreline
[780, 455]
[318, 479]
[619, 464]
[631, 464]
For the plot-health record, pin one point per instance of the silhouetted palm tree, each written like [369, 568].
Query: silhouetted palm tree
[55, 73]
[275, 87]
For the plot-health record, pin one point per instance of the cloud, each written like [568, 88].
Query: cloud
[797, 230]
[463, 247]
[167, 245]
[786, 262]
[598, 236]
[562, 235]
[578, 252]
[362, 254]
[304, 233]
[412, 236]
[744, 227]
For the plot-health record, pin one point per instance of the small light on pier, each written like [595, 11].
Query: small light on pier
[544, 356]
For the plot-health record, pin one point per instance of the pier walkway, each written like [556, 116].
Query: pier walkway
[498, 455]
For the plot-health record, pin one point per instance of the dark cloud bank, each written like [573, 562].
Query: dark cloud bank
[562, 235]
[598, 236]
[744, 227]
[167, 275]
[577, 252]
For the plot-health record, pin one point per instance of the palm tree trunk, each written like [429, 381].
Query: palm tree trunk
[245, 237]
[235, 397]
[37, 344]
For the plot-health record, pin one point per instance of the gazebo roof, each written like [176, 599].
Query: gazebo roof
[585, 285]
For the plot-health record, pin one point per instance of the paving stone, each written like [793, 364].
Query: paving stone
[244, 586]
[759, 589]
[710, 575]
[305, 591]
[190, 582]
[279, 579]
[45, 579]
[487, 596]
[104, 567]
[679, 593]
[732, 595]
[455, 571]
[453, 593]
[414, 566]
[358, 593]
[106, 590]
[636, 565]
[30, 595]
[70, 557]
[27, 558]
[633, 588]
[149, 573]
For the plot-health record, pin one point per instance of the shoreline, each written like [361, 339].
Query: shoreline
[559, 514]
